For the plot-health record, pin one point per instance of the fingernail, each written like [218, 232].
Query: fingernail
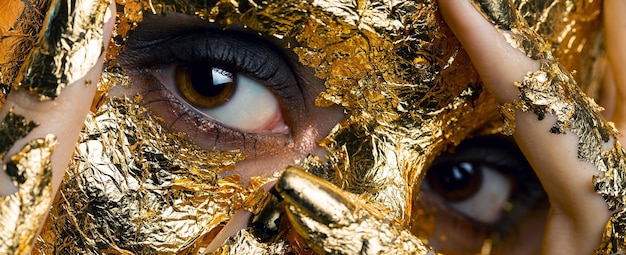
[314, 197]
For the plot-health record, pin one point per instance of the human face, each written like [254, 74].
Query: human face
[374, 92]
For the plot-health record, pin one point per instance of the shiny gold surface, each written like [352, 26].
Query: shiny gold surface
[69, 46]
[12, 128]
[611, 186]
[20, 225]
[409, 91]
[333, 223]
[23, 212]
[134, 188]
[245, 243]
[20, 24]
[573, 32]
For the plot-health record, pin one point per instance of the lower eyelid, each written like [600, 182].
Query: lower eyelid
[177, 117]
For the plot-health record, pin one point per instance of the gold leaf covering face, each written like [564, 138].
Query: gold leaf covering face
[160, 171]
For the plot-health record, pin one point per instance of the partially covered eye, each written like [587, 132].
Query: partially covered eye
[483, 189]
[483, 178]
[474, 188]
[231, 98]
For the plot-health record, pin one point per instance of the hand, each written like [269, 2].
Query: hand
[26, 194]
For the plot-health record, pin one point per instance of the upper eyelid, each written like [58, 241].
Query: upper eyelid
[150, 49]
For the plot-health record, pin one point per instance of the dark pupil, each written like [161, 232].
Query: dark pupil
[202, 81]
[455, 181]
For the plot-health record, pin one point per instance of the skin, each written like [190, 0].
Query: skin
[575, 220]
[615, 25]
[71, 106]
[577, 214]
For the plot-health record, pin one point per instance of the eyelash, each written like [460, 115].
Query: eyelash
[234, 51]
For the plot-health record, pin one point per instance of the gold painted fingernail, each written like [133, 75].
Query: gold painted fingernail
[315, 197]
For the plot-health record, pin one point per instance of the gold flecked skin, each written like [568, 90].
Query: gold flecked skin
[553, 91]
[40, 55]
[408, 88]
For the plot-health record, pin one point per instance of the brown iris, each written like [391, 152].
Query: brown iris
[199, 86]
[456, 181]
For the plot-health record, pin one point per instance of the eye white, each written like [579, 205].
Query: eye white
[251, 108]
[487, 204]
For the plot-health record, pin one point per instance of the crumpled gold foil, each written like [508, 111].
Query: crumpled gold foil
[612, 186]
[572, 29]
[12, 128]
[408, 88]
[69, 46]
[23, 212]
[245, 243]
[20, 23]
[135, 189]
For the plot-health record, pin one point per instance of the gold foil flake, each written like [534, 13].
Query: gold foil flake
[500, 13]
[611, 184]
[573, 31]
[69, 46]
[613, 238]
[245, 243]
[13, 128]
[332, 223]
[551, 91]
[132, 188]
[128, 14]
[570, 32]
[20, 23]
[23, 213]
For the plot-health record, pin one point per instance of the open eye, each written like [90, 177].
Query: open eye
[233, 99]
[227, 89]
[485, 189]
[475, 189]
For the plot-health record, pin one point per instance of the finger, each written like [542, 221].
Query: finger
[497, 62]
[332, 221]
[615, 26]
[578, 214]
[67, 59]
[63, 116]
